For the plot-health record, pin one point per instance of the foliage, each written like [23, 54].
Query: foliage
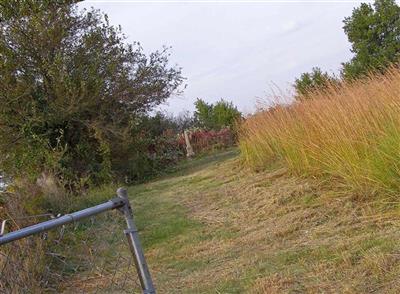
[351, 134]
[216, 116]
[316, 80]
[72, 91]
[374, 32]
[203, 113]
[151, 148]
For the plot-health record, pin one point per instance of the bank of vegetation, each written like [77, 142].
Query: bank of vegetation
[350, 134]
[343, 128]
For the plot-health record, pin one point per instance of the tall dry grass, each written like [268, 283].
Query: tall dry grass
[351, 133]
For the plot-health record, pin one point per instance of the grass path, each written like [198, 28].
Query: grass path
[215, 227]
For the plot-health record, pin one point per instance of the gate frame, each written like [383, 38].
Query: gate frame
[121, 202]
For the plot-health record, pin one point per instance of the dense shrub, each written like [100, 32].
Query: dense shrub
[72, 92]
[316, 80]
[148, 155]
[216, 116]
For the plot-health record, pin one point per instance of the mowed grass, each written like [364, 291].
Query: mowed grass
[218, 227]
[349, 134]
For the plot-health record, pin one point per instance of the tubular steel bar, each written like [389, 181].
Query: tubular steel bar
[134, 243]
[65, 219]
[122, 203]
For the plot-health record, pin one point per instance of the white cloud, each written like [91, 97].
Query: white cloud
[235, 50]
[290, 26]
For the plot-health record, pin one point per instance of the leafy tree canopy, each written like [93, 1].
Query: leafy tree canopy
[216, 116]
[308, 83]
[374, 33]
[71, 89]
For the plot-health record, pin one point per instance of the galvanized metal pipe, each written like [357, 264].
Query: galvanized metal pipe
[63, 220]
[121, 202]
[135, 246]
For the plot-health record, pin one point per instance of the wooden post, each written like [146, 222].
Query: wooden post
[189, 149]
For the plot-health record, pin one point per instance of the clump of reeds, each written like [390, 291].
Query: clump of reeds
[350, 132]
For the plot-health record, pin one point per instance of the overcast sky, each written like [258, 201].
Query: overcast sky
[236, 51]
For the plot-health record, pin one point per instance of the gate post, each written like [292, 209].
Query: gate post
[134, 244]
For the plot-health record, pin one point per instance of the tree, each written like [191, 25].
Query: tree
[153, 149]
[216, 116]
[203, 113]
[316, 80]
[374, 33]
[225, 114]
[71, 90]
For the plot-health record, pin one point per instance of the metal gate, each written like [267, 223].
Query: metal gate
[120, 203]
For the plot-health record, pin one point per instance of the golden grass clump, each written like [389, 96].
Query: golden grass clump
[350, 133]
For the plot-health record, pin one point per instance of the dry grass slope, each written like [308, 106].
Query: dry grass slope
[351, 134]
[217, 227]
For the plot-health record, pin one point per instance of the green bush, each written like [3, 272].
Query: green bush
[72, 92]
[216, 116]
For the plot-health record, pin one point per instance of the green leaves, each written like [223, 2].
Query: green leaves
[374, 32]
[69, 89]
[216, 116]
[309, 83]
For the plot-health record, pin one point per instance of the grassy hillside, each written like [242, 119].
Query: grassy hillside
[350, 134]
[217, 227]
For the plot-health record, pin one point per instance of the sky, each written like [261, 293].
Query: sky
[246, 52]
